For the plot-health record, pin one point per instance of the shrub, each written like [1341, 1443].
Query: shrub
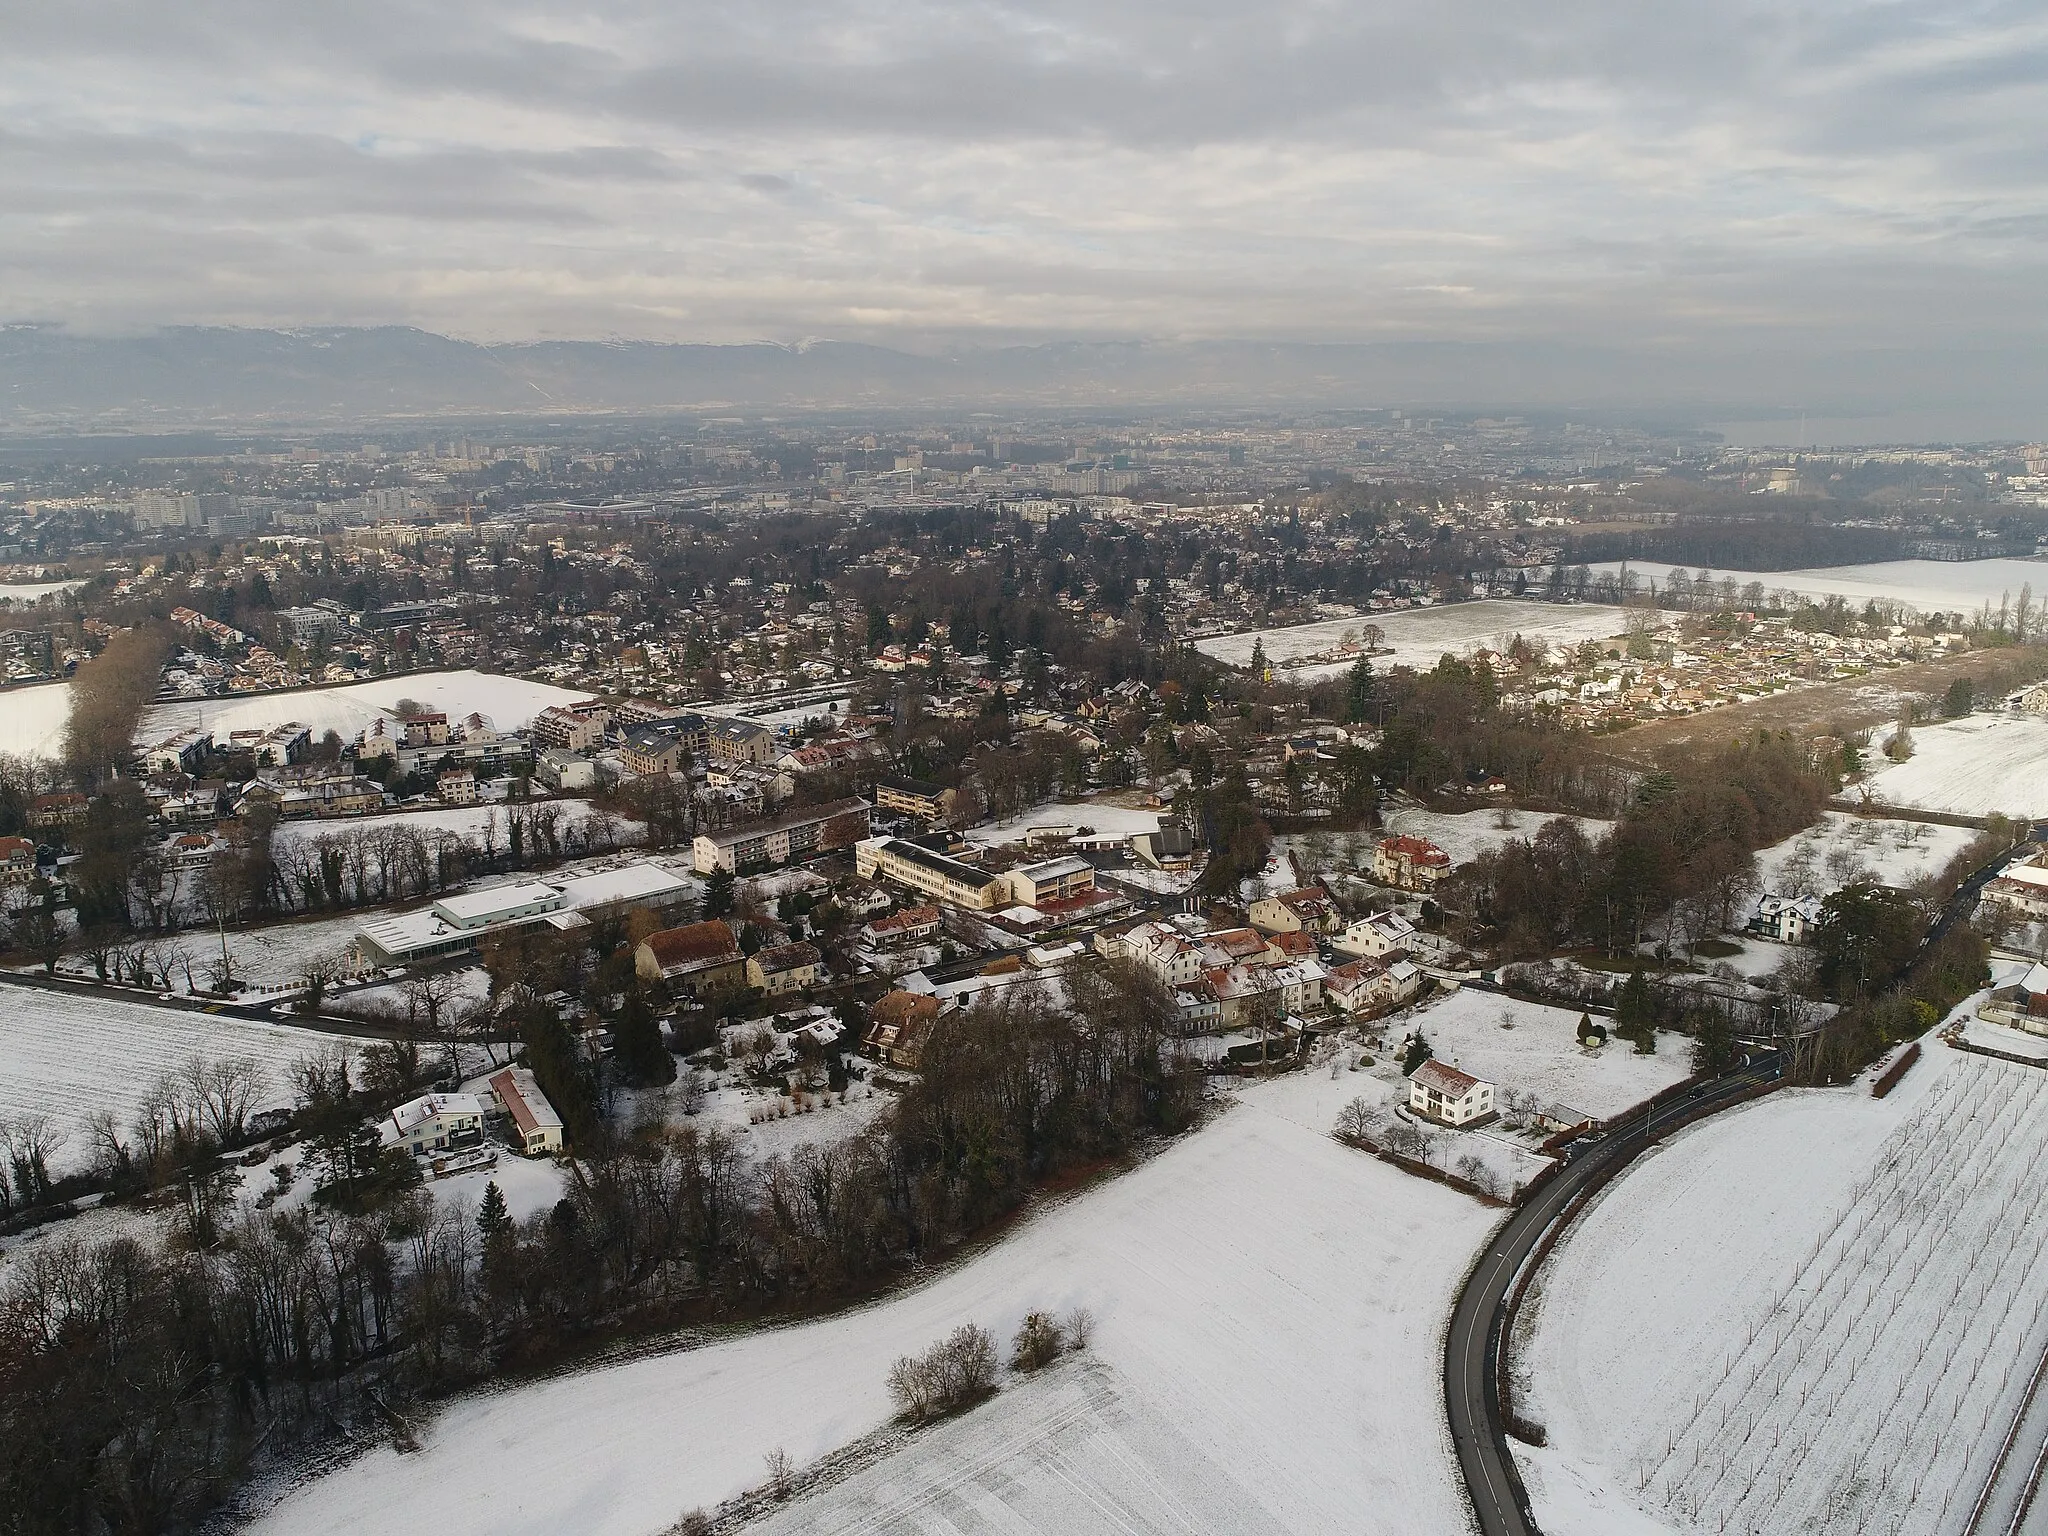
[1039, 1342]
[954, 1373]
[1080, 1328]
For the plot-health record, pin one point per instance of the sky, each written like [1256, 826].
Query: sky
[1805, 177]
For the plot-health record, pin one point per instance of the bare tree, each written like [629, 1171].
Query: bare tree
[224, 1091]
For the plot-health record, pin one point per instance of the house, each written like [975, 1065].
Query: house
[456, 787]
[1291, 948]
[535, 1125]
[1371, 985]
[436, 1122]
[913, 797]
[1308, 910]
[1162, 949]
[1442, 1093]
[428, 729]
[785, 968]
[181, 752]
[1412, 863]
[913, 925]
[779, 839]
[1381, 934]
[1788, 919]
[565, 771]
[652, 751]
[17, 861]
[64, 808]
[899, 1025]
[2021, 886]
[695, 958]
[1235, 946]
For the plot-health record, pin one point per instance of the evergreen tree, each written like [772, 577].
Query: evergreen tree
[1358, 692]
[636, 1044]
[718, 893]
[1635, 1013]
[493, 1221]
[1418, 1052]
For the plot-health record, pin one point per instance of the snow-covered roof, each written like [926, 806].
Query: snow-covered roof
[424, 1108]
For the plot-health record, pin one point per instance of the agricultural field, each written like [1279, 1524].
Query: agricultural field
[1418, 637]
[68, 1055]
[32, 719]
[1225, 1391]
[1971, 767]
[1929, 586]
[1837, 1351]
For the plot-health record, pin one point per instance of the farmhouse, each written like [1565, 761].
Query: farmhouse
[1448, 1096]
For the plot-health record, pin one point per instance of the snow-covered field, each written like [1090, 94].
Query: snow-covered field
[1971, 767]
[1840, 847]
[466, 821]
[1418, 637]
[1468, 834]
[34, 591]
[32, 719]
[1106, 820]
[510, 702]
[66, 1055]
[1541, 1053]
[1266, 1359]
[1815, 1313]
[1932, 586]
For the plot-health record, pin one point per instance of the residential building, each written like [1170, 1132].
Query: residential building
[565, 772]
[779, 839]
[913, 925]
[180, 752]
[17, 861]
[63, 808]
[1788, 919]
[535, 1125]
[785, 968]
[1442, 1093]
[742, 741]
[1412, 863]
[570, 728]
[652, 750]
[898, 1026]
[2023, 887]
[1308, 910]
[1376, 936]
[456, 787]
[934, 874]
[437, 1122]
[1371, 985]
[913, 797]
[695, 958]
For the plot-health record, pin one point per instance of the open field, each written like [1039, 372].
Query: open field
[34, 591]
[1099, 815]
[1972, 767]
[1266, 1359]
[1465, 835]
[32, 719]
[1860, 703]
[1835, 850]
[1417, 637]
[1725, 1343]
[1540, 1053]
[1930, 586]
[510, 702]
[67, 1055]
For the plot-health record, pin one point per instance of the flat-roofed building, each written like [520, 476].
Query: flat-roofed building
[936, 875]
[777, 840]
[1032, 885]
[535, 1124]
[911, 797]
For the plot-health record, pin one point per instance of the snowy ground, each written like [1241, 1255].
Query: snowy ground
[1418, 637]
[1932, 586]
[1840, 848]
[1468, 834]
[1831, 1307]
[1541, 1055]
[32, 719]
[1106, 820]
[1970, 767]
[66, 1055]
[465, 821]
[510, 702]
[34, 591]
[1267, 1358]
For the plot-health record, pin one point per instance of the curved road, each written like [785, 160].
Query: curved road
[1472, 1350]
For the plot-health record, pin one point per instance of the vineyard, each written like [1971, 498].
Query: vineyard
[1870, 1393]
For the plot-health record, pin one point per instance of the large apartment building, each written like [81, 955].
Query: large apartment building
[779, 839]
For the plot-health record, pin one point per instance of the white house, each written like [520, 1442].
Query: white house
[535, 1125]
[1448, 1096]
[1371, 937]
[1368, 984]
[436, 1122]
[1787, 919]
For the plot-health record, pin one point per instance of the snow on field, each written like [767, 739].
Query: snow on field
[34, 591]
[67, 1055]
[1840, 847]
[1831, 1307]
[1468, 834]
[1107, 820]
[1971, 767]
[1269, 1309]
[32, 719]
[510, 702]
[1931, 586]
[1418, 637]
[466, 821]
[1541, 1053]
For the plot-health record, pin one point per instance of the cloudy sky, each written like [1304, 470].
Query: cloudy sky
[1809, 173]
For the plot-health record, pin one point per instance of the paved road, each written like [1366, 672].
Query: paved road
[1471, 1354]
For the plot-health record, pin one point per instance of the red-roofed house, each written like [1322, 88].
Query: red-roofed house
[1444, 1094]
[693, 958]
[1413, 863]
